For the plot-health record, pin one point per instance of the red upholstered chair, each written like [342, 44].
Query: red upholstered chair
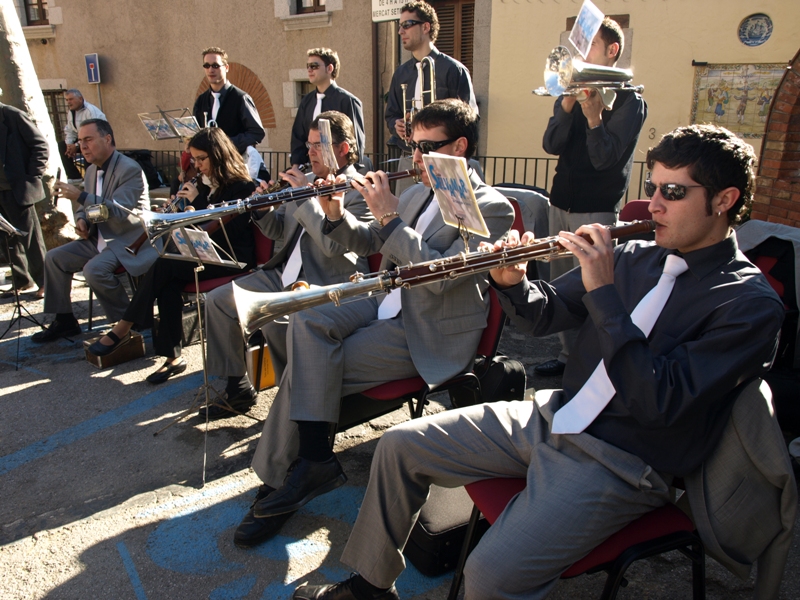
[661, 530]
[384, 398]
[635, 210]
[131, 280]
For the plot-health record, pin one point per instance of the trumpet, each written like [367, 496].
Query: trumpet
[568, 76]
[159, 224]
[256, 309]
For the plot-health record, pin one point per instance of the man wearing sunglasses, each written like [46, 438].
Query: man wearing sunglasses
[323, 68]
[419, 28]
[431, 331]
[224, 104]
[670, 397]
[595, 155]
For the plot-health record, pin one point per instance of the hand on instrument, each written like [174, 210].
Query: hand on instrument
[82, 229]
[596, 257]
[400, 128]
[509, 276]
[568, 103]
[188, 191]
[66, 190]
[72, 150]
[333, 204]
[294, 176]
[593, 108]
[377, 193]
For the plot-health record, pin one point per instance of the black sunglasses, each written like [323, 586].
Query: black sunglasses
[670, 191]
[313, 66]
[410, 23]
[212, 66]
[425, 146]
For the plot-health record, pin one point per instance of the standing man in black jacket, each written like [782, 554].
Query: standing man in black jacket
[232, 109]
[323, 68]
[24, 154]
[595, 155]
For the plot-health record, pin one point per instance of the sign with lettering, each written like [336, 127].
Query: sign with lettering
[386, 10]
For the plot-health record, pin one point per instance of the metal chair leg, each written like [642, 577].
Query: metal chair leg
[466, 548]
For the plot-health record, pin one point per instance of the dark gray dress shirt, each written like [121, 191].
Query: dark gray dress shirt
[718, 329]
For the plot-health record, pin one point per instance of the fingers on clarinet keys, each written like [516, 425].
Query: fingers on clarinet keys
[99, 349]
[305, 480]
[170, 369]
[231, 405]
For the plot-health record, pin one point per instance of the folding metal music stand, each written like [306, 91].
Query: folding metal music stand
[20, 312]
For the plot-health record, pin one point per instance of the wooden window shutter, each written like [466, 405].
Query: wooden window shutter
[456, 29]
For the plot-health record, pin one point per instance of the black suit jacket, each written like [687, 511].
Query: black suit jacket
[237, 116]
[335, 98]
[24, 153]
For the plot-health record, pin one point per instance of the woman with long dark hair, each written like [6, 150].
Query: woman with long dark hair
[224, 177]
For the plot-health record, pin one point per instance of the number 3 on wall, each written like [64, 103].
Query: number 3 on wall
[652, 133]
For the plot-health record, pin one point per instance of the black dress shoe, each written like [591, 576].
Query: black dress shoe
[551, 368]
[239, 403]
[56, 330]
[344, 590]
[171, 369]
[252, 531]
[99, 349]
[305, 480]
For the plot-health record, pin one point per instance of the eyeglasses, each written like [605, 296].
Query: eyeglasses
[313, 66]
[425, 146]
[670, 191]
[212, 66]
[410, 23]
[317, 146]
[196, 159]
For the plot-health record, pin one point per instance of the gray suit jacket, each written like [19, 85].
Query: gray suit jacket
[744, 498]
[324, 261]
[23, 155]
[444, 321]
[125, 184]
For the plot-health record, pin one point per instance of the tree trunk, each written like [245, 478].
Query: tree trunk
[20, 89]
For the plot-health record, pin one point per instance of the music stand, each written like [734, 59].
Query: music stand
[20, 312]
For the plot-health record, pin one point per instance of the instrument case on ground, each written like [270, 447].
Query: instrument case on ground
[435, 542]
[267, 378]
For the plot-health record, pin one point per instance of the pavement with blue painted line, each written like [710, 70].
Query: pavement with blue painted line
[93, 506]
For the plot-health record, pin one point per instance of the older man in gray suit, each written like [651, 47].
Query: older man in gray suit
[306, 255]
[334, 351]
[111, 179]
[669, 329]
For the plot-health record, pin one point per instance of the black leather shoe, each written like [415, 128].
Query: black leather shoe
[305, 480]
[551, 368]
[99, 349]
[344, 590]
[160, 376]
[240, 403]
[252, 531]
[55, 331]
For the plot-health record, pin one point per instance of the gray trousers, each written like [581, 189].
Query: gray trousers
[333, 352]
[27, 253]
[579, 491]
[561, 220]
[98, 268]
[226, 343]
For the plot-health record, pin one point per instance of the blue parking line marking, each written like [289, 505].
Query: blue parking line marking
[127, 561]
[95, 424]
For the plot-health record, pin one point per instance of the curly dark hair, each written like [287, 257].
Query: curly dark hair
[716, 158]
[455, 116]
[425, 13]
[227, 165]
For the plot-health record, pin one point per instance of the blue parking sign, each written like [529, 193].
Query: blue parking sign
[92, 68]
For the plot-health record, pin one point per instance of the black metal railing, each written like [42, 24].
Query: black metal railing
[537, 172]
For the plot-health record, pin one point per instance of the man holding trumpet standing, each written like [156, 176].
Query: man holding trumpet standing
[595, 156]
[597, 454]
[334, 351]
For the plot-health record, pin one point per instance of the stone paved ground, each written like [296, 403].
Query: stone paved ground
[92, 505]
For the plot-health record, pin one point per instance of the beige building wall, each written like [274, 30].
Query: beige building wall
[667, 36]
[150, 55]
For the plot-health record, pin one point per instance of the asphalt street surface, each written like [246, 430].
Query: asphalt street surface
[93, 505]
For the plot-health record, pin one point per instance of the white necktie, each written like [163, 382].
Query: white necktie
[215, 107]
[577, 414]
[292, 269]
[98, 191]
[392, 304]
[318, 107]
[418, 88]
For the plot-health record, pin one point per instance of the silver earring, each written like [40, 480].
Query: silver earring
[719, 213]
